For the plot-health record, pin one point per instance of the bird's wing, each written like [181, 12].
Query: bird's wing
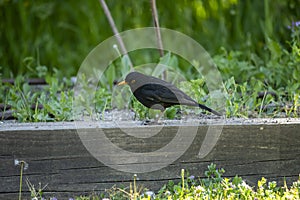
[167, 93]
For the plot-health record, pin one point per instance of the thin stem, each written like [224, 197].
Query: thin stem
[156, 24]
[182, 182]
[262, 104]
[134, 187]
[21, 178]
[158, 35]
[115, 30]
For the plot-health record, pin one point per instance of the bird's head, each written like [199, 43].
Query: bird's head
[134, 80]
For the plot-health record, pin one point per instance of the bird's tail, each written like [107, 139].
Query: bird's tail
[209, 109]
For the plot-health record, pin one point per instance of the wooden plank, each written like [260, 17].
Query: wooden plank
[57, 156]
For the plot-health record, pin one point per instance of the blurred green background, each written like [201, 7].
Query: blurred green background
[59, 34]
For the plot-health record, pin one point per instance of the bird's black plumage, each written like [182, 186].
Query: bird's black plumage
[158, 94]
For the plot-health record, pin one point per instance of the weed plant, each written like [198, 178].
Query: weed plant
[213, 186]
[253, 88]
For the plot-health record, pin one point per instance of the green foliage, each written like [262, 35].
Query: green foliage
[36, 193]
[18, 99]
[29, 104]
[259, 96]
[61, 33]
[91, 102]
[213, 186]
[245, 79]
[254, 87]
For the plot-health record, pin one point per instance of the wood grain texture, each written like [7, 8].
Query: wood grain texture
[57, 157]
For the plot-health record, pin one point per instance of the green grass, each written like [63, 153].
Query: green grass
[253, 88]
[213, 186]
[61, 33]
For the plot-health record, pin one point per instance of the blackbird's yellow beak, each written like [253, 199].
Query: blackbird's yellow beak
[122, 83]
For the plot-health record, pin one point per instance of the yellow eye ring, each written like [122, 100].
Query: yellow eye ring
[133, 81]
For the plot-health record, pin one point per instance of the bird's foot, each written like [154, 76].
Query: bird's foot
[149, 122]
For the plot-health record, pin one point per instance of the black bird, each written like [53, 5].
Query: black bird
[158, 94]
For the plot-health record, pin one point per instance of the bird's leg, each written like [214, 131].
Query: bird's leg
[156, 120]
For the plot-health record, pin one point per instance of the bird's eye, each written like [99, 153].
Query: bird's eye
[133, 81]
